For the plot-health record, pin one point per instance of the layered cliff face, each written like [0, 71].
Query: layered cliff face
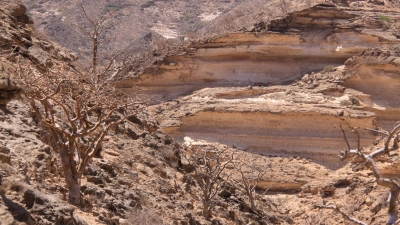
[376, 72]
[302, 119]
[303, 42]
[282, 91]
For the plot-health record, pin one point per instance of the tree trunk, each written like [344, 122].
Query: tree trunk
[94, 59]
[74, 194]
[71, 179]
[206, 211]
[251, 198]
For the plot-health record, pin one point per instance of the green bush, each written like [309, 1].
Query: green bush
[111, 8]
[397, 49]
[384, 18]
[351, 102]
[327, 69]
[354, 101]
[345, 103]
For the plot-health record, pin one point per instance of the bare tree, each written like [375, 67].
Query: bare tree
[209, 171]
[114, 63]
[77, 108]
[76, 114]
[94, 32]
[391, 143]
[249, 177]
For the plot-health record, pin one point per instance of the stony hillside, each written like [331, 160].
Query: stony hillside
[154, 21]
[273, 94]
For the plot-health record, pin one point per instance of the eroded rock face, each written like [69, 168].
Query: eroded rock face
[302, 119]
[16, 9]
[8, 88]
[305, 41]
[12, 30]
[17, 38]
[310, 135]
[12, 33]
[376, 72]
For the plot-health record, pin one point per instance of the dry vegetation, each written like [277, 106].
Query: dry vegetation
[209, 172]
[76, 109]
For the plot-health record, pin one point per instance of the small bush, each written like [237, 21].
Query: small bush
[385, 18]
[397, 49]
[111, 8]
[345, 103]
[160, 118]
[351, 102]
[327, 69]
[354, 101]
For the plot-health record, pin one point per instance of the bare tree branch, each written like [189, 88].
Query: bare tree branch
[249, 178]
[392, 185]
[210, 165]
[337, 209]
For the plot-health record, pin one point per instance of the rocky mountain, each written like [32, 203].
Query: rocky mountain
[155, 22]
[137, 23]
[274, 94]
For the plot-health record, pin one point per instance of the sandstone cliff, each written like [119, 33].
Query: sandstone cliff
[301, 43]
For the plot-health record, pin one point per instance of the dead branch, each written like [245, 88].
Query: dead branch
[337, 209]
[378, 131]
[369, 159]
[94, 32]
[209, 172]
[77, 115]
[249, 177]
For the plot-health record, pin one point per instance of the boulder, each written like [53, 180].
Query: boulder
[8, 89]
[5, 156]
[16, 9]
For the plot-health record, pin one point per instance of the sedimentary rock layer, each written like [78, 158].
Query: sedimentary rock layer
[295, 134]
[376, 72]
[303, 42]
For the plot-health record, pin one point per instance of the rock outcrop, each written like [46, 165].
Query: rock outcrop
[279, 94]
[8, 88]
[376, 72]
[301, 43]
[301, 119]
[17, 37]
[246, 100]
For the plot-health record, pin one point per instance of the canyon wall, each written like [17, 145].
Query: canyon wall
[301, 43]
[376, 72]
[285, 91]
[309, 135]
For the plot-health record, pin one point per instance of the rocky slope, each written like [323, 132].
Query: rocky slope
[136, 179]
[277, 95]
[155, 21]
